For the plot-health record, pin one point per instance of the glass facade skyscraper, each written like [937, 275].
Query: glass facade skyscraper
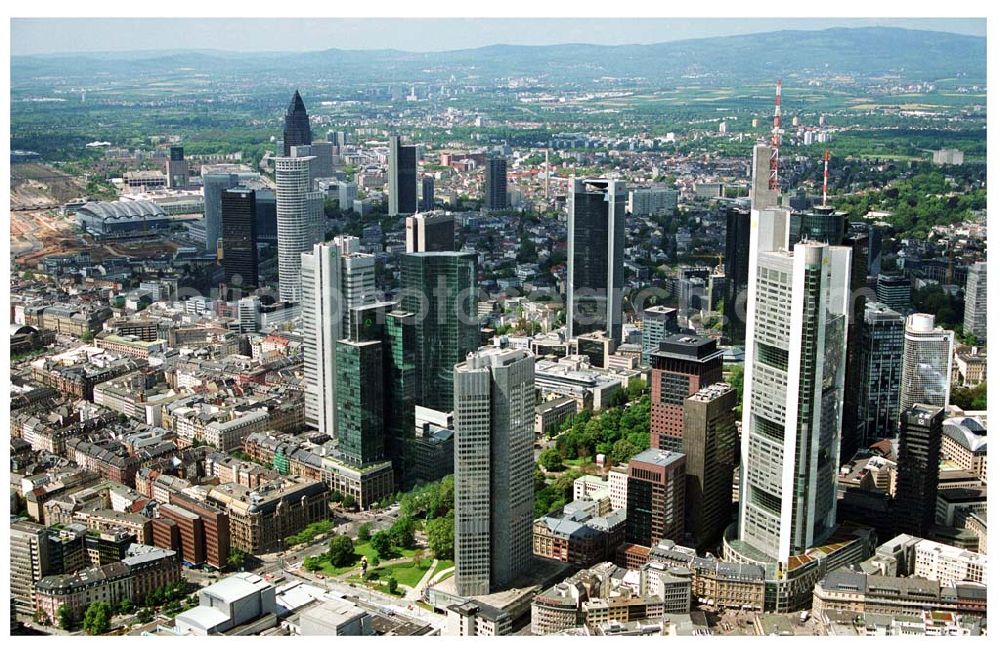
[881, 360]
[402, 177]
[297, 131]
[595, 254]
[239, 237]
[440, 289]
[495, 194]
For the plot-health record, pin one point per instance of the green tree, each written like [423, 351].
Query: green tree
[441, 537]
[349, 502]
[341, 551]
[402, 532]
[382, 544]
[551, 460]
[145, 615]
[236, 559]
[311, 564]
[126, 606]
[65, 617]
[392, 584]
[87, 337]
[365, 532]
[97, 618]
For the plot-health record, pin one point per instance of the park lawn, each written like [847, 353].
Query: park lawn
[580, 461]
[408, 574]
[361, 549]
[443, 564]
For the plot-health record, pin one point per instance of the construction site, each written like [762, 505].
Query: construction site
[38, 229]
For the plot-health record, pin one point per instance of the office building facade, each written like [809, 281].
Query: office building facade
[655, 500]
[239, 237]
[296, 224]
[793, 390]
[919, 456]
[595, 257]
[975, 302]
[927, 355]
[881, 373]
[430, 232]
[737, 265]
[335, 278]
[427, 193]
[439, 288]
[658, 322]
[495, 197]
[402, 177]
[894, 292]
[494, 405]
[682, 365]
[710, 454]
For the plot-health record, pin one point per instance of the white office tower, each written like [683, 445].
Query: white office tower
[975, 301]
[335, 278]
[796, 348]
[927, 354]
[248, 312]
[296, 223]
[494, 490]
[761, 197]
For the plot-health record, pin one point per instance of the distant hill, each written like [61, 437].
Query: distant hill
[868, 51]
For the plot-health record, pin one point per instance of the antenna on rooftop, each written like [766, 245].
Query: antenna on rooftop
[772, 179]
[826, 173]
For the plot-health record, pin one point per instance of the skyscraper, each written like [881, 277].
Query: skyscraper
[793, 390]
[658, 322]
[881, 361]
[919, 455]
[496, 183]
[296, 224]
[439, 288]
[975, 302]
[29, 562]
[427, 193]
[682, 365]
[655, 500]
[927, 355]
[494, 406]
[215, 180]
[595, 256]
[430, 232]
[737, 264]
[297, 131]
[335, 278]
[402, 177]
[857, 241]
[361, 387]
[710, 449]
[177, 168]
[894, 292]
[819, 224]
[239, 237]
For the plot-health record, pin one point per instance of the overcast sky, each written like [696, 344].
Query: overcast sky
[53, 35]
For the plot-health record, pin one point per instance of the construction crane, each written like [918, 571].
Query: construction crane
[772, 179]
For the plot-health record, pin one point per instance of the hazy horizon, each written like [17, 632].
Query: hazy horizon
[41, 36]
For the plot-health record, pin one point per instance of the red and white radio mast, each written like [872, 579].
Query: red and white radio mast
[772, 179]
